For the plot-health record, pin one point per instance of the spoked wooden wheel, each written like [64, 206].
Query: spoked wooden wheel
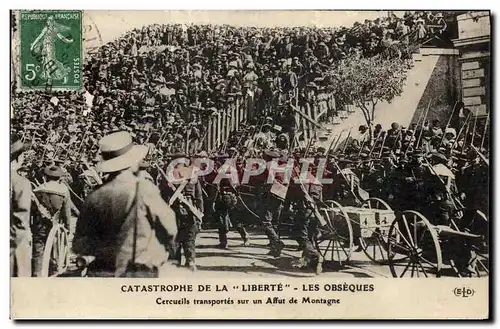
[417, 253]
[335, 241]
[375, 245]
[56, 252]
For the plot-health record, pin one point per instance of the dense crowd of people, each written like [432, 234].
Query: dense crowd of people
[163, 82]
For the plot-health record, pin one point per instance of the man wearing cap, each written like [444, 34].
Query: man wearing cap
[305, 217]
[188, 224]
[440, 189]
[408, 140]
[54, 206]
[415, 182]
[20, 231]
[450, 135]
[297, 67]
[435, 129]
[125, 224]
[225, 210]
[282, 142]
[473, 176]
[270, 206]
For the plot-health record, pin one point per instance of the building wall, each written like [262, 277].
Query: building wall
[474, 46]
[442, 90]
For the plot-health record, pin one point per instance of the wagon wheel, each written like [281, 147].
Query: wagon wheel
[56, 252]
[471, 258]
[335, 241]
[375, 247]
[417, 253]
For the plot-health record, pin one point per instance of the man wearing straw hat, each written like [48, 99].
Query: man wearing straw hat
[125, 224]
[20, 199]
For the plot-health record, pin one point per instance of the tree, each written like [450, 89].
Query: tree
[365, 81]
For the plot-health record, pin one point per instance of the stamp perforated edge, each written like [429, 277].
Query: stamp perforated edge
[16, 57]
[16, 52]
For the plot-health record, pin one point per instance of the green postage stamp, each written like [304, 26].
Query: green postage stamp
[50, 50]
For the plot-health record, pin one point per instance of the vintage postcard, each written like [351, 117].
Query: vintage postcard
[250, 164]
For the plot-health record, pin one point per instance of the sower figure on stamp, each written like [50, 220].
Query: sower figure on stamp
[186, 197]
[125, 224]
[53, 202]
[44, 45]
[20, 231]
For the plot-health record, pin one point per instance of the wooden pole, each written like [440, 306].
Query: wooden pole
[485, 129]
[362, 145]
[346, 140]
[461, 130]
[423, 122]
[375, 143]
[474, 129]
[466, 135]
[448, 123]
[338, 140]
[382, 147]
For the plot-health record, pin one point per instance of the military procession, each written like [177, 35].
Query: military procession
[120, 181]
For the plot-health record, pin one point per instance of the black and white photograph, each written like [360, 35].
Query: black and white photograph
[250, 145]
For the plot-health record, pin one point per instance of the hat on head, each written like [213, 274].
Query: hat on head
[53, 171]
[119, 152]
[451, 131]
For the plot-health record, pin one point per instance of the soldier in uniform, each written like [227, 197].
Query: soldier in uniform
[282, 142]
[225, 210]
[415, 181]
[305, 219]
[408, 141]
[54, 206]
[189, 225]
[20, 231]
[270, 208]
[448, 141]
[473, 177]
